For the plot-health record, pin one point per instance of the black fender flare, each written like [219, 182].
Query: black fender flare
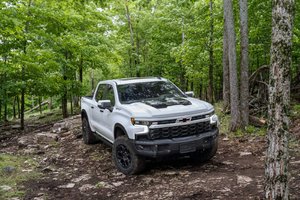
[84, 114]
[120, 126]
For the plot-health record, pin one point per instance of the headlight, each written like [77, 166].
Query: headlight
[210, 114]
[139, 122]
[214, 119]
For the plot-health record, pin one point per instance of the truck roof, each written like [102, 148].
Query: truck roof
[124, 81]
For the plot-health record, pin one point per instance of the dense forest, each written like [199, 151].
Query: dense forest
[53, 52]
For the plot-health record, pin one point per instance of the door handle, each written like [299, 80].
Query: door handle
[92, 107]
[101, 110]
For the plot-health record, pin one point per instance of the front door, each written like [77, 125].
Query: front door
[102, 117]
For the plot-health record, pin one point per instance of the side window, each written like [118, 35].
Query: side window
[109, 94]
[100, 92]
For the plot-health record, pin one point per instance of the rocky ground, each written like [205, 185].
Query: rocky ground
[72, 170]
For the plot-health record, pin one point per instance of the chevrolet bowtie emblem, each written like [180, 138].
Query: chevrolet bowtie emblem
[183, 120]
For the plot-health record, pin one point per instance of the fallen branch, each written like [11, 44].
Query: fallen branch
[38, 106]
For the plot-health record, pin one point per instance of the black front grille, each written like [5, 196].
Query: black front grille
[179, 131]
[198, 117]
[170, 121]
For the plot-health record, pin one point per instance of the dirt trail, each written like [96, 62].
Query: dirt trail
[73, 170]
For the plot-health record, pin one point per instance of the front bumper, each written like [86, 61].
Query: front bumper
[182, 145]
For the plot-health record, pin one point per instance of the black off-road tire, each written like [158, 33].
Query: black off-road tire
[125, 158]
[89, 137]
[206, 155]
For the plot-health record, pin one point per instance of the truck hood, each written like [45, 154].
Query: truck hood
[154, 109]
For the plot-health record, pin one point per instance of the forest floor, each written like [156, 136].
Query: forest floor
[63, 167]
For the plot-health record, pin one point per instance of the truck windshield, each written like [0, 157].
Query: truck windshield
[148, 91]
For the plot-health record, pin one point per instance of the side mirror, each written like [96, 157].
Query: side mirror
[105, 104]
[190, 93]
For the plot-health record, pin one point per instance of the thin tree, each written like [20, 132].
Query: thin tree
[226, 87]
[244, 88]
[211, 55]
[276, 170]
[234, 92]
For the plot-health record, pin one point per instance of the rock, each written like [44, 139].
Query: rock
[228, 163]
[168, 194]
[245, 153]
[46, 137]
[69, 185]
[61, 127]
[16, 126]
[225, 190]
[47, 169]
[225, 139]
[27, 170]
[5, 187]
[295, 162]
[117, 184]
[30, 151]
[243, 180]
[38, 198]
[8, 169]
[103, 184]
[148, 180]
[24, 141]
[84, 177]
[171, 173]
[86, 187]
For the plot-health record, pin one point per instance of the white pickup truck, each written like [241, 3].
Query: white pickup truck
[144, 118]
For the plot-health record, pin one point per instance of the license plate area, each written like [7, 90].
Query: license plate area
[187, 147]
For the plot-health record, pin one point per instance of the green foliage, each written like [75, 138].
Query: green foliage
[58, 42]
[295, 111]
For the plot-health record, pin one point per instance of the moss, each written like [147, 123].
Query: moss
[295, 111]
[23, 168]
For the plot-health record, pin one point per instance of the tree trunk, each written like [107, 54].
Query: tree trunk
[200, 89]
[0, 109]
[182, 69]
[92, 80]
[244, 89]
[234, 92]
[64, 101]
[226, 86]
[5, 107]
[40, 105]
[23, 99]
[23, 89]
[133, 49]
[276, 170]
[81, 69]
[211, 56]
[50, 103]
[18, 104]
[71, 104]
[14, 108]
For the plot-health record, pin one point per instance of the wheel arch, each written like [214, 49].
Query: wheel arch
[84, 114]
[119, 130]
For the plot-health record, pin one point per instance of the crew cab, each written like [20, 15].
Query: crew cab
[147, 118]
